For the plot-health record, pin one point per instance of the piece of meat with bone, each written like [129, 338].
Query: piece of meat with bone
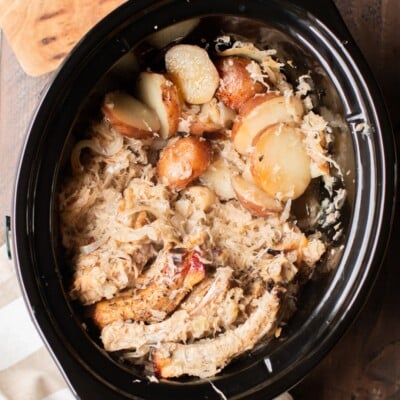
[207, 357]
[180, 271]
[212, 306]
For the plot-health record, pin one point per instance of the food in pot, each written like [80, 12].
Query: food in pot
[130, 116]
[279, 162]
[161, 95]
[237, 84]
[177, 214]
[194, 73]
[182, 161]
[259, 113]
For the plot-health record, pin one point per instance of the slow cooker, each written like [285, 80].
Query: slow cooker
[312, 35]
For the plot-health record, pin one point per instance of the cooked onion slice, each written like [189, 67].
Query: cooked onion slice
[161, 95]
[89, 248]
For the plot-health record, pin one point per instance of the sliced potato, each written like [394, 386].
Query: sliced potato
[218, 178]
[182, 161]
[254, 199]
[260, 112]
[279, 163]
[192, 70]
[161, 95]
[129, 116]
[238, 80]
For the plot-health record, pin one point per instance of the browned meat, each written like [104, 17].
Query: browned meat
[212, 306]
[158, 298]
[207, 357]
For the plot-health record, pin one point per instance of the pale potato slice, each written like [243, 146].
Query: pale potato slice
[239, 80]
[182, 161]
[161, 95]
[254, 199]
[218, 178]
[192, 70]
[260, 112]
[129, 116]
[279, 163]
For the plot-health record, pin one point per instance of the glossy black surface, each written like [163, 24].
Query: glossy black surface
[318, 41]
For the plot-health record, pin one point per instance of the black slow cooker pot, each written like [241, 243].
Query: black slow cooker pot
[313, 36]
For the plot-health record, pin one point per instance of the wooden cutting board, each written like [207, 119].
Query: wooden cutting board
[42, 32]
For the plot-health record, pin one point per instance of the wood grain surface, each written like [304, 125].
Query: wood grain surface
[42, 32]
[375, 27]
[365, 364]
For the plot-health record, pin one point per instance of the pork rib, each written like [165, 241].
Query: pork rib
[212, 306]
[207, 357]
[158, 298]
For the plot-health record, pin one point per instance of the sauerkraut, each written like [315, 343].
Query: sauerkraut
[193, 266]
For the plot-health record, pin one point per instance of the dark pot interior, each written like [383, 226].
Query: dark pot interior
[108, 58]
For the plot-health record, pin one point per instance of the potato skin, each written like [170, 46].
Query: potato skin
[254, 199]
[236, 85]
[183, 160]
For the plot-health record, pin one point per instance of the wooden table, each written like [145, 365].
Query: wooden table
[366, 362]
